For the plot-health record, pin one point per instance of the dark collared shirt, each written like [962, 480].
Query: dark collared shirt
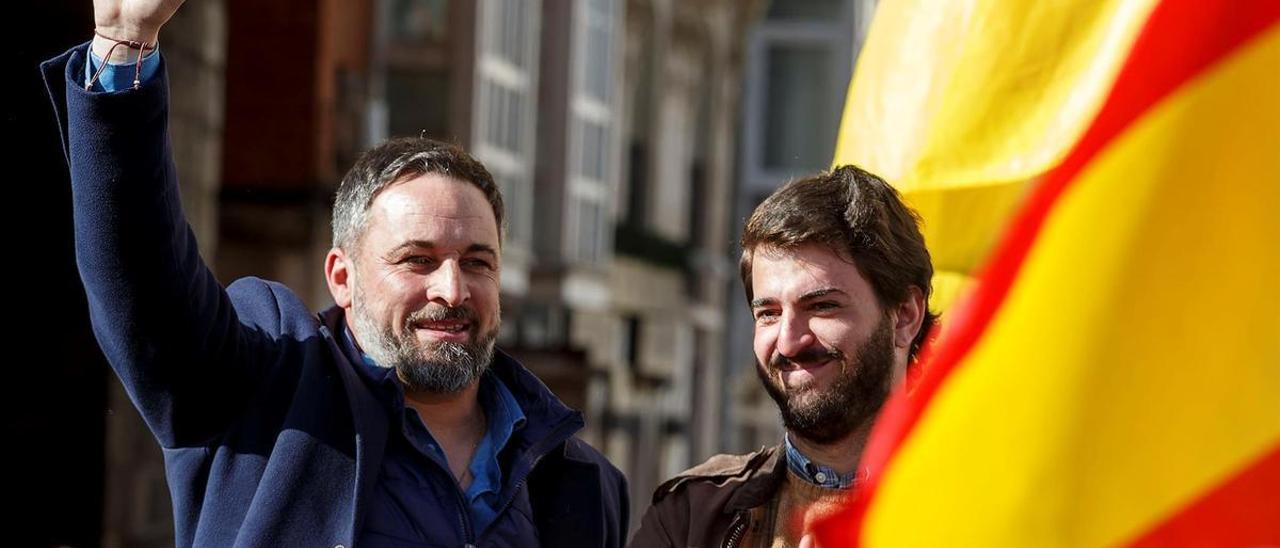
[405, 501]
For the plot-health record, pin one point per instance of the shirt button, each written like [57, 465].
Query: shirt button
[820, 477]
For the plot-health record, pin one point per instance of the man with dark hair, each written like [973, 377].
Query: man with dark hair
[387, 420]
[838, 278]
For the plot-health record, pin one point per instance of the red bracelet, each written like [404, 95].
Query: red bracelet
[142, 47]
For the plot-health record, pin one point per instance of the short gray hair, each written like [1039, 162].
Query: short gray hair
[393, 161]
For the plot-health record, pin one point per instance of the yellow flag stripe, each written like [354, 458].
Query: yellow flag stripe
[962, 103]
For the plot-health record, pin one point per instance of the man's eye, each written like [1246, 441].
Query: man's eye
[417, 259]
[766, 314]
[477, 263]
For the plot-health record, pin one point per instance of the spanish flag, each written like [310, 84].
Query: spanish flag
[1103, 176]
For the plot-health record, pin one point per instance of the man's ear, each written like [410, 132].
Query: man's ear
[340, 275]
[907, 318]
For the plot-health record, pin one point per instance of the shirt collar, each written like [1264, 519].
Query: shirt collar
[817, 474]
[504, 418]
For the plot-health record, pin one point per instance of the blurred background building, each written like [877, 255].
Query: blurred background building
[630, 137]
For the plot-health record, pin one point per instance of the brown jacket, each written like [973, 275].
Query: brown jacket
[724, 502]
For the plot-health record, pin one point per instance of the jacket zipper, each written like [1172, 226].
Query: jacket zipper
[737, 528]
[540, 452]
[464, 520]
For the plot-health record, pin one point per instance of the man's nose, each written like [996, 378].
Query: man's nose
[447, 285]
[794, 335]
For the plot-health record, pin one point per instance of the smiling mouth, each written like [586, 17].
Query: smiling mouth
[802, 366]
[444, 326]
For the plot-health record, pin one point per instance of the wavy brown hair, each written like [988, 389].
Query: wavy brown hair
[861, 218]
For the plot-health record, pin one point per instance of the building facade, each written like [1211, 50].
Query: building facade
[630, 139]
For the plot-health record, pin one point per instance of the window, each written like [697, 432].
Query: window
[503, 111]
[417, 102]
[595, 142]
[589, 228]
[798, 65]
[592, 125]
[506, 111]
[419, 22]
[818, 10]
[597, 54]
[802, 112]
[507, 30]
[516, 194]
[410, 57]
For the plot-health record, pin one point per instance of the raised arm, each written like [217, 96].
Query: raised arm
[165, 324]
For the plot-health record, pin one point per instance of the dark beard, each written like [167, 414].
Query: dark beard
[851, 402]
[437, 368]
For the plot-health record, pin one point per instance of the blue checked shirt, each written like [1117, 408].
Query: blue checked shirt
[817, 474]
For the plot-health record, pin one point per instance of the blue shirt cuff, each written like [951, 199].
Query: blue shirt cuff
[118, 76]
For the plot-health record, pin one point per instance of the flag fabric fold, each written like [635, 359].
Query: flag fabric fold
[1113, 375]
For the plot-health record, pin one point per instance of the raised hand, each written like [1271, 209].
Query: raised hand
[134, 20]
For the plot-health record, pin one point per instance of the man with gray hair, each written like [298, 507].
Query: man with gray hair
[387, 420]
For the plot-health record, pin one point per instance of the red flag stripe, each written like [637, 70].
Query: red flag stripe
[1178, 41]
[1240, 512]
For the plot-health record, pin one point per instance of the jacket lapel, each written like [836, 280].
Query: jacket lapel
[369, 418]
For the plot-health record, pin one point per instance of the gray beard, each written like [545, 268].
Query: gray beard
[851, 402]
[435, 368]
